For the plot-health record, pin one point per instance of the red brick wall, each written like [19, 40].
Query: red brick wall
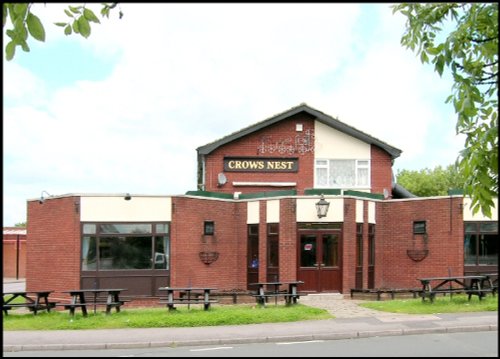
[349, 246]
[288, 240]
[53, 245]
[381, 170]
[10, 256]
[394, 236]
[262, 241]
[248, 147]
[230, 241]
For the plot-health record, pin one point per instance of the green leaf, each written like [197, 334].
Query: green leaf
[75, 9]
[84, 27]
[90, 16]
[68, 13]
[75, 27]
[61, 24]
[20, 9]
[4, 13]
[10, 50]
[67, 30]
[35, 27]
[24, 46]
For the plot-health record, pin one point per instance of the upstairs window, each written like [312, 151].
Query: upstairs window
[342, 173]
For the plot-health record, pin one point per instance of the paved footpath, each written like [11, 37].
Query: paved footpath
[352, 321]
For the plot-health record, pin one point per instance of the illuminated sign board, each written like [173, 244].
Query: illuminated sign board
[260, 164]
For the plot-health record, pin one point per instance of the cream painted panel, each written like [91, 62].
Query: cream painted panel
[306, 210]
[253, 212]
[273, 211]
[359, 211]
[468, 216]
[371, 212]
[116, 209]
[332, 144]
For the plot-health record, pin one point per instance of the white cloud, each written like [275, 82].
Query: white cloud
[187, 74]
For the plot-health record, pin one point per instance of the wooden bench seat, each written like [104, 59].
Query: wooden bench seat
[190, 301]
[391, 291]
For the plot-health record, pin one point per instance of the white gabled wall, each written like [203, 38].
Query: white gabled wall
[332, 144]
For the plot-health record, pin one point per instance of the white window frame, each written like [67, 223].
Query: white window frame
[325, 163]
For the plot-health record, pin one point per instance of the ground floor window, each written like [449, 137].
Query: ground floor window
[118, 246]
[481, 243]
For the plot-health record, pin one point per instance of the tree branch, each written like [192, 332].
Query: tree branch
[480, 41]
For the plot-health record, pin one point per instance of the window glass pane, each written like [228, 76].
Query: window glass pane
[125, 252]
[359, 250]
[209, 228]
[330, 250]
[342, 173]
[470, 243]
[162, 257]
[273, 228]
[371, 244]
[308, 251]
[489, 227]
[125, 228]
[362, 177]
[470, 227]
[89, 228]
[273, 260]
[488, 249]
[253, 229]
[161, 228]
[419, 227]
[253, 252]
[89, 253]
[362, 163]
[321, 177]
[321, 162]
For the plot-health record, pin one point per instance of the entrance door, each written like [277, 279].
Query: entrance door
[319, 261]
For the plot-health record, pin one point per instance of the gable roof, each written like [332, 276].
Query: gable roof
[318, 115]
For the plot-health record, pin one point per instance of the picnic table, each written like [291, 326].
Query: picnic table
[470, 284]
[290, 294]
[79, 299]
[33, 300]
[490, 281]
[188, 296]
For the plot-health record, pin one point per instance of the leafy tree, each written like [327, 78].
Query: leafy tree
[20, 224]
[431, 182]
[470, 52]
[25, 24]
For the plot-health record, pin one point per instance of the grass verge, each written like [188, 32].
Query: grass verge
[161, 317]
[442, 304]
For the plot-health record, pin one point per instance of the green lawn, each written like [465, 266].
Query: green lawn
[441, 304]
[229, 314]
[161, 317]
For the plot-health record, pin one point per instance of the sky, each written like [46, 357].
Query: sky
[124, 110]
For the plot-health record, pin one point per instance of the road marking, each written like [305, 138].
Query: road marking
[304, 342]
[216, 348]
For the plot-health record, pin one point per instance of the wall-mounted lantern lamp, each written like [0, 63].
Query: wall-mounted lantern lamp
[42, 199]
[127, 197]
[322, 207]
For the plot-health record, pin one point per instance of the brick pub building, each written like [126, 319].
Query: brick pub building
[253, 218]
